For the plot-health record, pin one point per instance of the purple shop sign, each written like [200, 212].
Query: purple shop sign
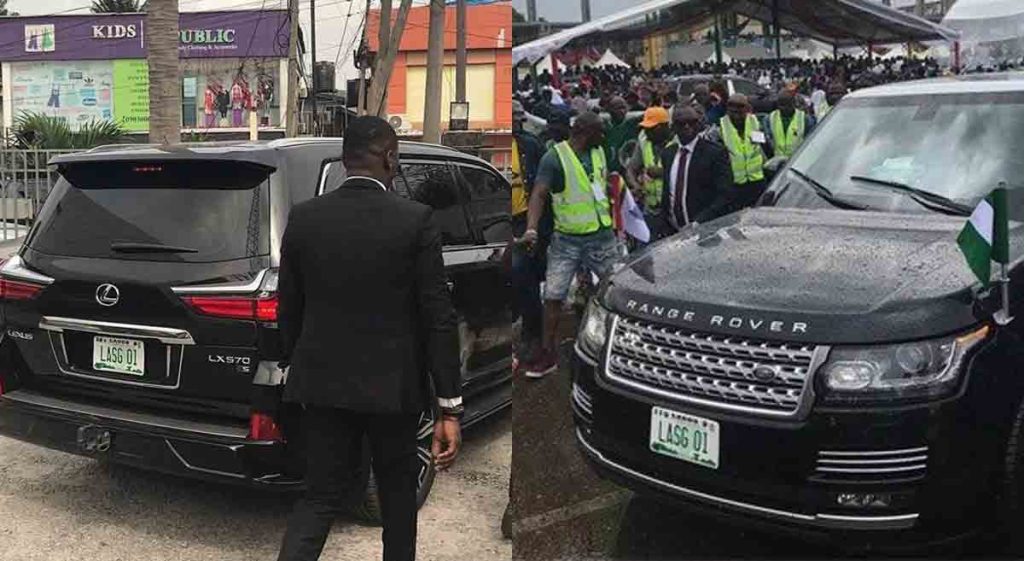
[235, 34]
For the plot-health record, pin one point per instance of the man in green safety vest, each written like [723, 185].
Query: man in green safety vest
[743, 138]
[575, 175]
[787, 126]
[643, 169]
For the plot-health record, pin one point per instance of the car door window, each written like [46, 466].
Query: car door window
[746, 88]
[332, 175]
[434, 185]
[490, 202]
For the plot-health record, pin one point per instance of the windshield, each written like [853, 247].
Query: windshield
[958, 147]
[196, 212]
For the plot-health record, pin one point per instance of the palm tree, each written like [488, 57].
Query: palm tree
[164, 72]
[115, 6]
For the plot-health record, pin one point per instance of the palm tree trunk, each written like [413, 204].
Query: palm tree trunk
[164, 72]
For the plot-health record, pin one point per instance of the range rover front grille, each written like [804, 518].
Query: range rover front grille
[720, 371]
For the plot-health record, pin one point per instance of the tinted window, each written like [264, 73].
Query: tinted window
[746, 88]
[490, 203]
[331, 176]
[433, 185]
[686, 88]
[217, 210]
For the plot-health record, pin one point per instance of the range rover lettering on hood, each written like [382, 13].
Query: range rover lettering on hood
[762, 324]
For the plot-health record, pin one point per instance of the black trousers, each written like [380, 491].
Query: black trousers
[334, 448]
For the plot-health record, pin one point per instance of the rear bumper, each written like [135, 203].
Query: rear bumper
[211, 451]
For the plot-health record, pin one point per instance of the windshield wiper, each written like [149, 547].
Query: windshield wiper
[826, 193]
[924, 198]
[131, 247]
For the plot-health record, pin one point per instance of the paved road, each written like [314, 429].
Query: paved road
[56, 506]
[561, 510]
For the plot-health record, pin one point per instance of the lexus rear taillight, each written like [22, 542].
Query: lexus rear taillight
[260, 305]
[264, 427]
[236, 307]
[19, 290]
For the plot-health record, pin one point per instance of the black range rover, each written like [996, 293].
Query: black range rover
[140, 313]
[826, 363]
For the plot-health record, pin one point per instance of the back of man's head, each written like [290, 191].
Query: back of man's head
[367, 137]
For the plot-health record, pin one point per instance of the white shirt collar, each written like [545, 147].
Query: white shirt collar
[693, 144]
[382, 187]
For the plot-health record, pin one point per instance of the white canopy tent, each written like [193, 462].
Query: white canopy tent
[836, 22]
[610, 59]
[991, 31]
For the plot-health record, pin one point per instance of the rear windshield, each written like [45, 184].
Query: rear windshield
[158, 211]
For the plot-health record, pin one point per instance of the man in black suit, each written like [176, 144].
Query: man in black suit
[698, 179]
[367, 322]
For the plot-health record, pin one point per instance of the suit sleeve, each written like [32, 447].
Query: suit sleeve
[722, 185]
[291, 299]
[438, 325]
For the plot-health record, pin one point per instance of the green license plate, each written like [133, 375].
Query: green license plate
[120, 356]
[685, 437]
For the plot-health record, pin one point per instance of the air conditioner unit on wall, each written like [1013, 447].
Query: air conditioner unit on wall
[400, 123]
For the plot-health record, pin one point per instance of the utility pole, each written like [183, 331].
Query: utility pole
[362, 65]
[384, 63]
[435, 68]
[585, 10]
[383, 46]
[312, 61]
[164, 72]
[291, 127]
[460, 50]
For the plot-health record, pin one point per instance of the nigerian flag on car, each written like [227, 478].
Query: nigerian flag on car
[984, 237]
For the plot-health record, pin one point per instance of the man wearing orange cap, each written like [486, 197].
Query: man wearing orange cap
[644, 172]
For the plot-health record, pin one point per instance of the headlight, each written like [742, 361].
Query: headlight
[593, 330]
[921, 369]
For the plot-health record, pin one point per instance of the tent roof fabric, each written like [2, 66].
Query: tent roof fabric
[838, 22]
[610, 59]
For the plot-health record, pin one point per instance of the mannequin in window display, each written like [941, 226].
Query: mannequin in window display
[210, 103]
[239, 100]
[266, 96]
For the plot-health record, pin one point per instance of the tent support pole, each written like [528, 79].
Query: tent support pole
[776, 30]
[718, 38]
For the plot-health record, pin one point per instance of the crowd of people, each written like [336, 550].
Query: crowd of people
[576, 88]
[625, 159]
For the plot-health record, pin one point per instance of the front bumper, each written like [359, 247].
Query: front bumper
[770, 471]
[216, 451]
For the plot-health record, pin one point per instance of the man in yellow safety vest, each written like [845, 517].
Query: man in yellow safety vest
[644, 172]
[787, 126]
[743, 138]
[575, 175]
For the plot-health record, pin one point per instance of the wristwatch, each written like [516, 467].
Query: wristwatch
[456, 412]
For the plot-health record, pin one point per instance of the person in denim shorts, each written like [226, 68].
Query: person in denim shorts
[574, 173]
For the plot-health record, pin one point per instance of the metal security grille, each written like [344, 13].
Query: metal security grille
[713, 370]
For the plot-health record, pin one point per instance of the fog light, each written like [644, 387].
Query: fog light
[864, 500]
[850, 375]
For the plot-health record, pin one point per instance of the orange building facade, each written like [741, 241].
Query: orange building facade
[488, 71]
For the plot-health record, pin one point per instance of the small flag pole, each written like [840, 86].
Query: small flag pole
[1003, 317]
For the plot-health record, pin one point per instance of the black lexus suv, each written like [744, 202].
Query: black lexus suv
[826, 363]
[140, 313]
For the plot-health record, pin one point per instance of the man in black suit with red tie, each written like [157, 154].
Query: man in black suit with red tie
[367, 324]
[698, 179]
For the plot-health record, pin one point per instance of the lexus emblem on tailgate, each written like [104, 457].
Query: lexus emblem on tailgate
[107, 294]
